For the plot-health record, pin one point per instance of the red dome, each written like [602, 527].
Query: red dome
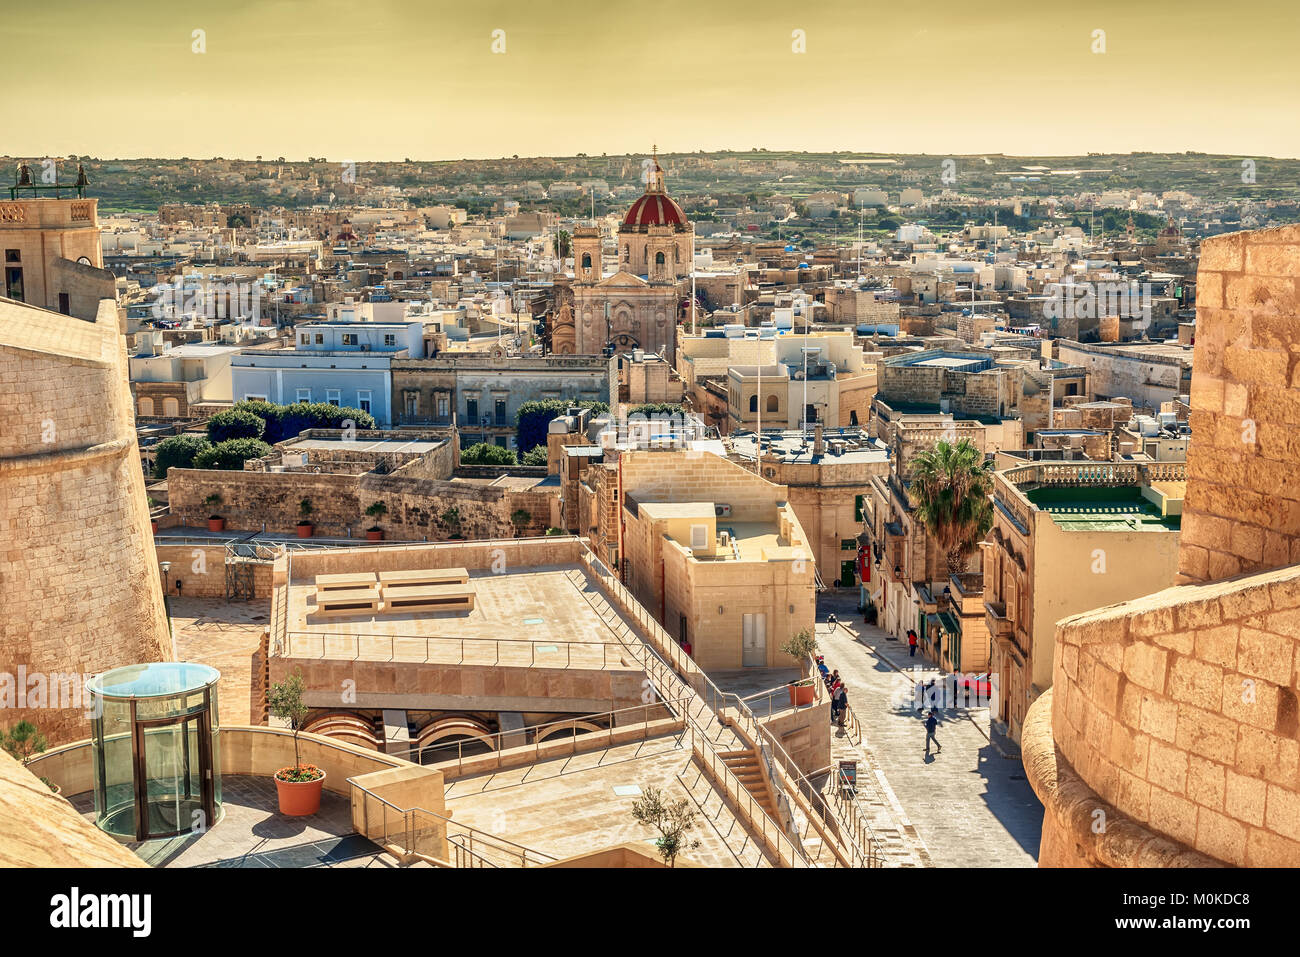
[655, 209]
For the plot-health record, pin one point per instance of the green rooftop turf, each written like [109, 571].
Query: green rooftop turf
[1089, 508]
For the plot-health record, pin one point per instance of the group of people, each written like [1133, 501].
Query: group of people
[839, 694]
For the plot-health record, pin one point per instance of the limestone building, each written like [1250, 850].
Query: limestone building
[52, 256]
[637, 306]
[82, 590]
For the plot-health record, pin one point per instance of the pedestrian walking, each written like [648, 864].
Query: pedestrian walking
[911, 643]
[931, 723]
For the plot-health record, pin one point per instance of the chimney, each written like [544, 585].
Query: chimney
[818, 446]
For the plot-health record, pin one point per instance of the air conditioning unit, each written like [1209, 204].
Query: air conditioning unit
[724, 539]
[722, 511]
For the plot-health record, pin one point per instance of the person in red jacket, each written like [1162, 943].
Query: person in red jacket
[911, 643]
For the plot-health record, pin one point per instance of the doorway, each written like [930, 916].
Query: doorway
[754, 642]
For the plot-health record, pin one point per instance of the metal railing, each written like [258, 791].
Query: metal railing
[516, 652]
[728, 708]
[417, 831]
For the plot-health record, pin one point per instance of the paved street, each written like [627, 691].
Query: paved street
[968, 805]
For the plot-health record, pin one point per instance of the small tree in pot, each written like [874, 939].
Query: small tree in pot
[215, 522]
[801, 647]
[376, 511]
[304, 518]
[299, 787]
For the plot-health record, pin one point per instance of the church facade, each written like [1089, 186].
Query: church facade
[636, 307]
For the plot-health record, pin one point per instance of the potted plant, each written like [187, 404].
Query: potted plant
[299, 787]
[801, 647]
[153, 522]
[23, 742]
[304, 521]
[215, 522]
[376, 511]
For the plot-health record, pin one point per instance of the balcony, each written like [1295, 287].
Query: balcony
[1000, 626]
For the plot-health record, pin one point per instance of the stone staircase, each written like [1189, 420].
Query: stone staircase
[746, 766]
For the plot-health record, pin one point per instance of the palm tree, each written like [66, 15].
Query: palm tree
[951, 490]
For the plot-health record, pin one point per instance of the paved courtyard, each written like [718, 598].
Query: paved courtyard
[969, 805]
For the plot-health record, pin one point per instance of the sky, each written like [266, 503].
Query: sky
[390, 79]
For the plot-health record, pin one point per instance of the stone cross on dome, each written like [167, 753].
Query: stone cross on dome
[655, 181]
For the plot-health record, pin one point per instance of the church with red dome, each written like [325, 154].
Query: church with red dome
[636, 306]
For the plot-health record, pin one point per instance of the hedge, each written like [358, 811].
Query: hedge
[177, 451]
[231, 454]
[287, 421]
[535, 416]
[485, 453]
[235, 424]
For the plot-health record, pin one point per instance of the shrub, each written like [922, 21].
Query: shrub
[287, 421]
[485, 453]
[656, 408]
[534, 456]
[534, 417]
[230, 455]
[235, 424]
[177, 451]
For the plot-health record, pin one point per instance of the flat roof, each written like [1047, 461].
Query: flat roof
[366, 445]
[1087, 508]
[534, 615]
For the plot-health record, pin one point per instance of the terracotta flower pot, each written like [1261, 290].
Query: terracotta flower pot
[305, 529]
[801, 694]
[216, 524]
[374, 534]
[153, 525]
[298, 799]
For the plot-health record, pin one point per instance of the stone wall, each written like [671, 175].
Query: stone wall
[201, 571]
[1180, 710]
[1242, 511]
[81, 591]
[251, 500]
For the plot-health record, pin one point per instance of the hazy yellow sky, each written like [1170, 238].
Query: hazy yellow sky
[386, 79]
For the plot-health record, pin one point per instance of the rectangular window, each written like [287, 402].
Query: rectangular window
[442, 407]
[500, 410]
[349, 339]
[65, 306]
[320, 338]
[848, 545]
[390, 339]
[304, 395]
[333, 396]
[699, 536]
[304, 339]
[471, 410]
[857, 508]
[411, 403]
[250, 397]
[363, 400]
[13, 256]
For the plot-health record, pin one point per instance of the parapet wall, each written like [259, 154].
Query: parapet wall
[1180, 711]
[1242, 511]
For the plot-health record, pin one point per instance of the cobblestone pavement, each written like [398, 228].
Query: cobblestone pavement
[966, 806]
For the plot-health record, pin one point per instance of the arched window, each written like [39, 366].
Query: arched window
[146, 406]
[771, 403]
[659, 259]
[753, 403]
[171, 408]
[586, 260]
[627, 252]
